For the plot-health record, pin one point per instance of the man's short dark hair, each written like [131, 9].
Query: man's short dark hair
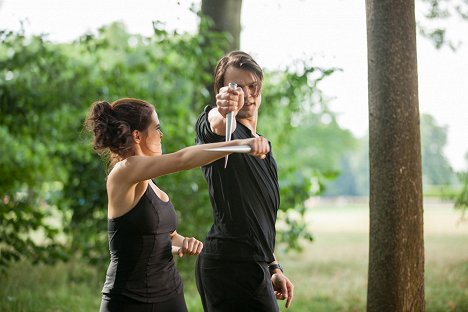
[240, 60]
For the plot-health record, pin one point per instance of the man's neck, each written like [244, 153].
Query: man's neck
[250, 123]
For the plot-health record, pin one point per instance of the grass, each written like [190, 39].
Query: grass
[63, 287]
[329, 275]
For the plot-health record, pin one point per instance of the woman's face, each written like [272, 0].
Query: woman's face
[152, 138]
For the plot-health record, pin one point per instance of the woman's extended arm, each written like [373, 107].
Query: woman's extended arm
[139, 168]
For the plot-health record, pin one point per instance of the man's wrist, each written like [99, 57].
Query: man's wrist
[274, 267]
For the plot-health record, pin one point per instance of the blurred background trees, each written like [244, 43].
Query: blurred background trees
[53, 200]
[438, 175]
[52, 196]
[52, 183]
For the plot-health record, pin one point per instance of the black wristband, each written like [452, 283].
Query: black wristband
[272, 267]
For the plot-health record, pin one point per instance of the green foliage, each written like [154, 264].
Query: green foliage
[354, 172]
[436, 168]
[437, 174]
[461, 198]
[434, 26]
[51, 177]
[52, 191]
[307, 141]
[32, 128]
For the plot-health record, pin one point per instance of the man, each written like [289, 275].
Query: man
[237, 270]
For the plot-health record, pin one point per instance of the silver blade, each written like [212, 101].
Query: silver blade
[225, 161]
[233, 149]
[229, 121]
[228, 133]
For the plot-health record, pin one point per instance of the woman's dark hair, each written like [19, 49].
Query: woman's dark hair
[113, 124]
[240, 60]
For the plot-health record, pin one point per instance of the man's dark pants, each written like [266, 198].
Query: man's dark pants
[226, 286]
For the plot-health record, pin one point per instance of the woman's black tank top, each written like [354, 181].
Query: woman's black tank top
[141, 265]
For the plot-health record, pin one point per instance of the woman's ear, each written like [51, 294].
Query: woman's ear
[136, 135]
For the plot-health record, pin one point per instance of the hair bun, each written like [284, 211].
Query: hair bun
[109, 132]
[112, 124]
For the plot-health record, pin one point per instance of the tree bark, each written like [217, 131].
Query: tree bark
[396, 247]
[226, 15]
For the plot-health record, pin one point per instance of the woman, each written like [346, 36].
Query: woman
[141, 219]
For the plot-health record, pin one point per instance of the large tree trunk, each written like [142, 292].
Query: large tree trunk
[226, 15]
[396, 251]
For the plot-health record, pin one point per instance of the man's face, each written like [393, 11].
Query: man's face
[250, 85]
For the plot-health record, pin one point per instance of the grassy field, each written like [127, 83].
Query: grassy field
[329, 275]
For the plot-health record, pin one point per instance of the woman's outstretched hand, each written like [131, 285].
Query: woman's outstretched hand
[260, 147]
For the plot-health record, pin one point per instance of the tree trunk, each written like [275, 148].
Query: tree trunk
[396, 251]
[226, 15]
